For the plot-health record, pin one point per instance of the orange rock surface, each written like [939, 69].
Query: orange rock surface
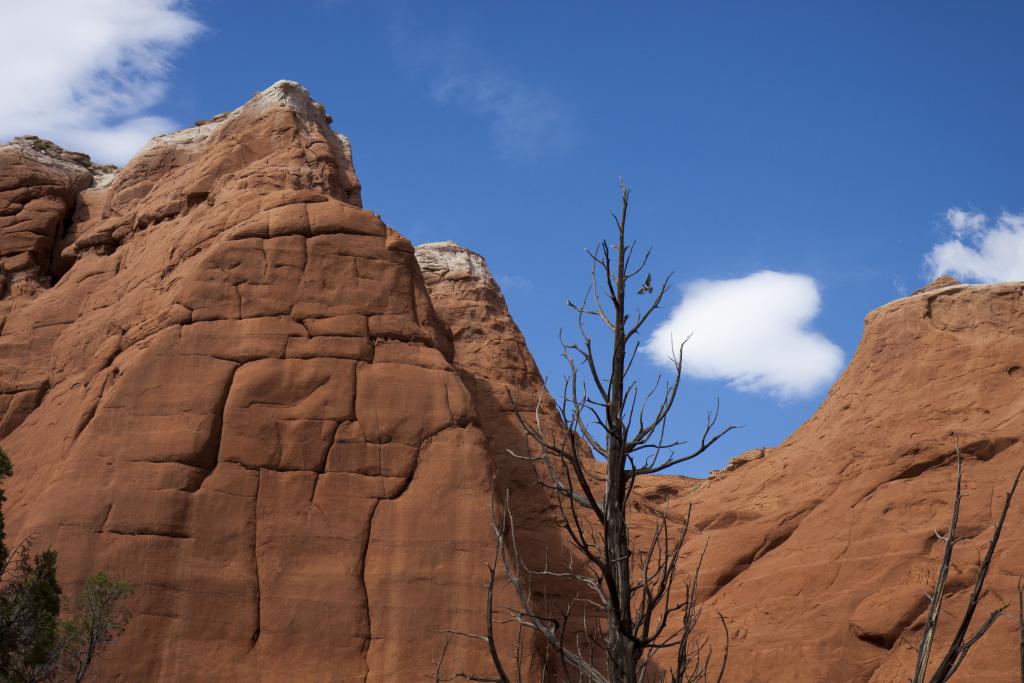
[225, 382]
[822, 552]
[239, 399]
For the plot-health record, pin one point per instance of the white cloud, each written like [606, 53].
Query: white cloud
[525, 122]
[83, 74]
[982, 250]
[965, 221]
[509, 282]
[752, 332]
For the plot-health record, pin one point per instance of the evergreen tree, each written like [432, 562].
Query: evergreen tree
[30, 599]
[35, 644]
[6, 628]
[5, 471]
[97, 619]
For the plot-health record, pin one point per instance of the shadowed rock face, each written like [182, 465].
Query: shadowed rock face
[39, 183]
[226, 383]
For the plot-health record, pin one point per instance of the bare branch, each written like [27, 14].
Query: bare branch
[959, 648]
[619, 604]
[1020, 623]
[932, 620]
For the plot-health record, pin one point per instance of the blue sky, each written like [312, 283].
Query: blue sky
[824, 143]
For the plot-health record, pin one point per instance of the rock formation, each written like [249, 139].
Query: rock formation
[225, 382]
[823, 551]
[938, 283]
[38, 189]
[239, 399]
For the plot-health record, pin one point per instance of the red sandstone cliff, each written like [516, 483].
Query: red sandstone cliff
[822, 552]
[239, 399]
[225, 382]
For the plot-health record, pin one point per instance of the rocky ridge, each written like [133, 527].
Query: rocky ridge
[823, 549]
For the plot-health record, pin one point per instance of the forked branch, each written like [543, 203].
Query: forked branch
[619, 603]
[961, 643]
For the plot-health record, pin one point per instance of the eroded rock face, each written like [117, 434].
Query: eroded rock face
[939, 283]
[821, 551]
[39, 184]
[240, 400]
[487, 343]
[226, 383]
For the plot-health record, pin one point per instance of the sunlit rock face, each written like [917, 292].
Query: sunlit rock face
[225, 382]
[239, 398]
[822, 550]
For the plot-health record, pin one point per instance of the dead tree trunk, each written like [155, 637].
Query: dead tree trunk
[626, 602]
[1020, 624]
[961, 643]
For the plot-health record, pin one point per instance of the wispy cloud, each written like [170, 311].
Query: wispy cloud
[510, 282]
[90, 82]
[982, 249]
[965, 222]
[899, 286]
[752, 332]
[526, 121]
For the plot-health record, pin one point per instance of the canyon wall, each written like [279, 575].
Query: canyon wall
[225, 382]
[238, 398]
[823, 550]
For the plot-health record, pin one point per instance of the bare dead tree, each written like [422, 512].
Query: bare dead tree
[1020, 623]
[624, 606]
[961, 643]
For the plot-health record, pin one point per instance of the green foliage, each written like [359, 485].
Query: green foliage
[5, 471]
[98, 618]
[36, 645]
[30, 600]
